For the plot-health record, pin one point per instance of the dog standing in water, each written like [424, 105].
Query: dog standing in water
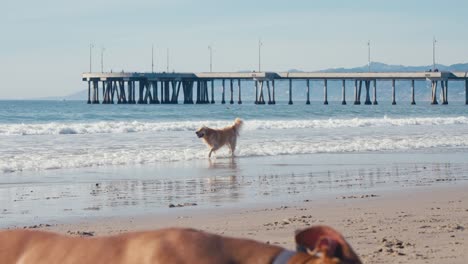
[216, 138]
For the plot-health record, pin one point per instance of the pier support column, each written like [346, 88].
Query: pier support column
[123, 96]
[95, 92]
[413, 102]
[393, 93]
[239, 86]
[232, 93]
[223, 94]
[434, 93]
[308, 92]
[446, 92]
[343, 92]
[141, 88]
[261, 98]
[375, 93]
[118, 90]
[212, 92]
[104, 101]
[89, 92]
[129, 91]
[359, 92]
[356, 92]
[269, 93]
[466, 92]
[273, 92]
[112, 92]
[325, 92]
[442, 92]
[290, 92]
[368, 101]
[256, 92]
[155, 92]
[198, 93]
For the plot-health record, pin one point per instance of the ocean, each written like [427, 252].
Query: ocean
[48, 135]
[63, 159]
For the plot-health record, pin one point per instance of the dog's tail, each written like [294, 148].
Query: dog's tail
[237, 125]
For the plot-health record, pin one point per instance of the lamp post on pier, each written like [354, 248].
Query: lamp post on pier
[433, 53]
[102, 59]
[260, 44]
[152, 58]
[368, 56]
[91, 46]
[211, 58]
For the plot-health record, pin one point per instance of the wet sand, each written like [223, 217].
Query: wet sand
[427, 224]
[393, 207]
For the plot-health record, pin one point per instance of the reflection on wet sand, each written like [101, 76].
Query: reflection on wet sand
[227, 182]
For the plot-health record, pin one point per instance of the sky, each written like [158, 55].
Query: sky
[45, 45]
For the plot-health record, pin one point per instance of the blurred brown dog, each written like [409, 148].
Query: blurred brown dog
[317, 245]
[216, 138]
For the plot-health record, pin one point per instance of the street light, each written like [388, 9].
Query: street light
[260, 44]
[433, 53]
[102, 59]
[91, 46]
[167, 60]
[152, 58]
[211, 58]
[368, 56]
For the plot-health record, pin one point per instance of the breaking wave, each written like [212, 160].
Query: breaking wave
[55, 128]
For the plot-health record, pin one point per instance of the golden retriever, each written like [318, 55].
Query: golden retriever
[216, 138]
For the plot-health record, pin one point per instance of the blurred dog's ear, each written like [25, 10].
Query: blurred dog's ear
[326, 241]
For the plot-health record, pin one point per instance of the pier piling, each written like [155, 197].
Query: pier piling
[325, 92]
[212, 92]
[343, 92]
[239, 86]
[223, 94]
[89, 92]
[356, 92]
[308, 92]
[466, 92]
[232, 92]
[368, 101]
[413, 102]
[273, 88]
[393, 92]
[270, 101]
[374, 102]
[434, 93]
[290, 92]
[445, 93]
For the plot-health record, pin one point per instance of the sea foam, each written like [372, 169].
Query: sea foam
[55, 128]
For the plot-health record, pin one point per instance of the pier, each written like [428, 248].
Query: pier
[165, 88]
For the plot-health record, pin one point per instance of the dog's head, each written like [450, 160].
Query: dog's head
[325, 245]
[201, 132]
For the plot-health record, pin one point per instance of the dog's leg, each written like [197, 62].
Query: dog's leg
[232, 144]
[209, 154]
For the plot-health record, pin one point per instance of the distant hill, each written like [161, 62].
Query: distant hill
[77, 96]
[382, 67]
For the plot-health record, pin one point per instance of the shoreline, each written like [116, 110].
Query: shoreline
[430, 221]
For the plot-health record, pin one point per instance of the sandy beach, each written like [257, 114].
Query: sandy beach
[415, 225]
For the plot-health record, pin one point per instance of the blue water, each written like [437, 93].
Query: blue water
[29, 112]
[47, 135]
